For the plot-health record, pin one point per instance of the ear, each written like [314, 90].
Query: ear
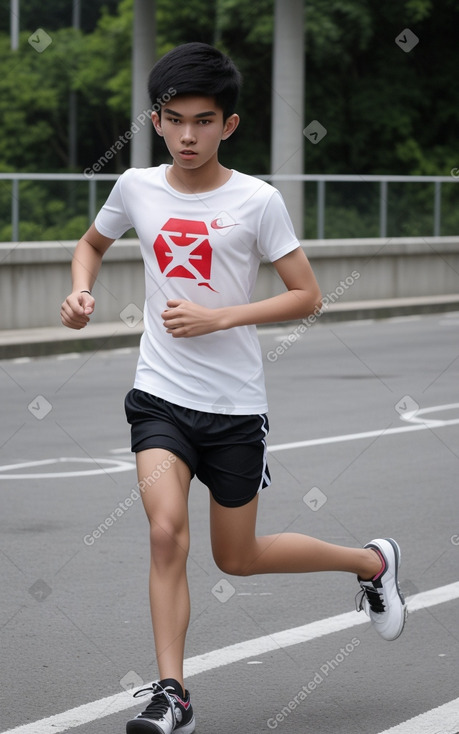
[156, 120]
[230, 126]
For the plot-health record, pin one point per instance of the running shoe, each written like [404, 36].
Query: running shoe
[167, 712]
[381, 597]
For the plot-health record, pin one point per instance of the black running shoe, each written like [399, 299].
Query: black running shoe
[167, 712]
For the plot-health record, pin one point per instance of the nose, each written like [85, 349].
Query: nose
[187, 135]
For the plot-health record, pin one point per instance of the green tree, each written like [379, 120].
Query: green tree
[34, 89]
[56, 14]
[385, 111]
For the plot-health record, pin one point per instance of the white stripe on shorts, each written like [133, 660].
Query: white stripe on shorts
[265, 479]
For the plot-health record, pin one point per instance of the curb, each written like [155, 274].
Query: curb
[389, 308]
[43, 342]
[54, 340]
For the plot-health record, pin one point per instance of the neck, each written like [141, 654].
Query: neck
[210, 176]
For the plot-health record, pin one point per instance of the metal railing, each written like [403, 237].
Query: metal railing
[320, 179]
[382, 180]
[15, 178]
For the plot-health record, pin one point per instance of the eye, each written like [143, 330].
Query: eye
[204, 122]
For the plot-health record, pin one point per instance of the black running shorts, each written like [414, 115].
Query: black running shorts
[226, 452]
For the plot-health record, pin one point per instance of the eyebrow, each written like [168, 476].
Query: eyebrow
[200, 114]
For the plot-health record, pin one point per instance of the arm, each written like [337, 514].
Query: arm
[301, 298]
[86, 262]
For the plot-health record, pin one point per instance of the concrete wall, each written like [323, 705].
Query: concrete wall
[35, 276]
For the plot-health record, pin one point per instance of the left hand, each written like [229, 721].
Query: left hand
[183, 319]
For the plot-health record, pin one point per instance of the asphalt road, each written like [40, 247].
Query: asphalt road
[74, 615]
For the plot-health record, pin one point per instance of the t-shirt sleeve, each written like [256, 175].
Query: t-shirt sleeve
[276, 234]
[113, 219]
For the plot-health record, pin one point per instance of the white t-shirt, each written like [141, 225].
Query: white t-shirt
[205, 248]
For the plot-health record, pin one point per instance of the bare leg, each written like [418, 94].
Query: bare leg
[165, 498]
[238, 551]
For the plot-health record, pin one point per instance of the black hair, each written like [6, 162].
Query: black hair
[195, 68]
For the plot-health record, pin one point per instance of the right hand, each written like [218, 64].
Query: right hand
[76, 310]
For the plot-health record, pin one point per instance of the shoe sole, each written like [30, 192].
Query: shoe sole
[187, 728]
[142, 727]
[139, 726]
[398, 558]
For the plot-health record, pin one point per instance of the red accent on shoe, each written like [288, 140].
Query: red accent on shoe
[380, 573]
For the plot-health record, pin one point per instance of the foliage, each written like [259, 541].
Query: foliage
[385, 111]
[57, 14]
[34, 91]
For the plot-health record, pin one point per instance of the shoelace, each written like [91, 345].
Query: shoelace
[160, 701]
[373, 597]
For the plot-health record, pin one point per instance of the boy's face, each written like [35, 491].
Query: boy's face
[193, 128]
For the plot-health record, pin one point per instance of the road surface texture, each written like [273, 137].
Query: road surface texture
[364, 443]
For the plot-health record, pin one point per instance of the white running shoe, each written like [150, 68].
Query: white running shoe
[381, 597]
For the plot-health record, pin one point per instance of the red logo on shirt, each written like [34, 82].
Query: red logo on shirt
[183, 250]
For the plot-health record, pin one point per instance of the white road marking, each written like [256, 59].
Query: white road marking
[112, 466]
[358, 436]
[100, 466]
[415, 416]
[441, 720]
[412, 417]
[231, 654]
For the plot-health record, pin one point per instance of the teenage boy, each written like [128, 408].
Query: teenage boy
[199, 394]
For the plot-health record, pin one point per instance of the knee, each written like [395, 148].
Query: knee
[232, 564]
[168, 542]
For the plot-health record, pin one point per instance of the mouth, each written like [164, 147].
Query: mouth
[187, 154]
